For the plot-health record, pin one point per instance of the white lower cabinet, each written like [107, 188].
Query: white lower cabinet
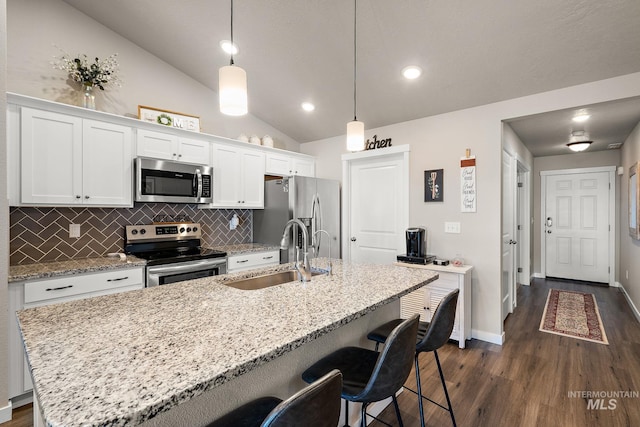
[426, 299]
[35, 293]
[236, 263]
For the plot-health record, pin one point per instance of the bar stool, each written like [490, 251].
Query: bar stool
[369, 376]
[317, 405]
[431, 336]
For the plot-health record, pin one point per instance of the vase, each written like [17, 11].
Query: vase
[88, 97]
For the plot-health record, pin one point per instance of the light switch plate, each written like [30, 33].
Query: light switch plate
[74, 231]
[452, 227]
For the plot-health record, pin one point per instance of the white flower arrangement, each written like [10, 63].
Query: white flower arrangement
[97, 73]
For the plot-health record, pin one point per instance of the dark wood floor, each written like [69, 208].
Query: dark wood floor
[526, 381]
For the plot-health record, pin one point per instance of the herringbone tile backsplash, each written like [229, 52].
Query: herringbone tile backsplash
[42, 234]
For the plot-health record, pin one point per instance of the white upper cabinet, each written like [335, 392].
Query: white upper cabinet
[238, 177]
[289, 165]
[67, 160]
[167, 146]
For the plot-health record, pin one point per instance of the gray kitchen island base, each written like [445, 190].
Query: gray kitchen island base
[280, 377]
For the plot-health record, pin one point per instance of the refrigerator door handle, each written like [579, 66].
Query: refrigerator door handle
[317, 223]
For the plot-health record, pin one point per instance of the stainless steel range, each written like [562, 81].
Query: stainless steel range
[173, 252]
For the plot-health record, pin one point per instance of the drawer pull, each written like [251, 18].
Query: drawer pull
[118, 279]
[242, 261]
[267, 257]
[57, 289]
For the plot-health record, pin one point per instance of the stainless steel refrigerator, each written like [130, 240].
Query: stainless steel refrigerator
[315, 201]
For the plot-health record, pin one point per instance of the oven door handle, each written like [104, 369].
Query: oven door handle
[185, 267]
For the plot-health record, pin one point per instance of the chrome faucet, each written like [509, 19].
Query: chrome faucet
[303, 269]
[317, 251]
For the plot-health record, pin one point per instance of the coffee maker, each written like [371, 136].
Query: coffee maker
[416, 247]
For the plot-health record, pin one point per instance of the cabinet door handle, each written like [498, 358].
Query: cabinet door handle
[86, 197]
[60, 288]
[242, 261]
[267, 257]
[77, 196]
[118, 279]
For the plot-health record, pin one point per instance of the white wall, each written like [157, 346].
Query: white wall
[4, 224]
[34, 26]
[629, 248]
[439, 142]
[567, 161]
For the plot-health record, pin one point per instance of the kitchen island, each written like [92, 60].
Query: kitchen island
[185, 353]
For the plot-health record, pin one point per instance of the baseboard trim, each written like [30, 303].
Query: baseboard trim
[5, 413]
[487, 336]
[633, 307]
[616, 285]
[538, 276]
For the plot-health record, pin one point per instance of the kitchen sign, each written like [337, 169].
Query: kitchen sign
[377, 143]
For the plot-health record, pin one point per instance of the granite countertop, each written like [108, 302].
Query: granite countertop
[121, 359]
[245, 248]
[18, 273]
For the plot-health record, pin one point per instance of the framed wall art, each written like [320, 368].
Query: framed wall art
[169, 118]
[634, 201]
[433, 185]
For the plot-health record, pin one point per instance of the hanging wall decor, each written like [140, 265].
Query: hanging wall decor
[634, 199]
[468, 183]
[433, 185]
[169, 118]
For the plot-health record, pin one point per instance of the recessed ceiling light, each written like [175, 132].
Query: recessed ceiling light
[307, 106]
[411, 72]
[229, 47]
[582, 117]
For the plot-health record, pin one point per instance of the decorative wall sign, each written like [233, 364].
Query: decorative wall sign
[169, 118]
[468, 183]
[433, 185]
[634, 201]
[377, 143]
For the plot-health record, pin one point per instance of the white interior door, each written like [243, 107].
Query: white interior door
[377, 202]
[508, 233]
[577, 226]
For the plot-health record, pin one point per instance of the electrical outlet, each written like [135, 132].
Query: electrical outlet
[452, 227]
[74, 231]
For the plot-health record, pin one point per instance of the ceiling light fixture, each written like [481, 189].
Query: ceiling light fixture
[355, 128]
[232, 85]
[411, 72]
[307, 106]
[581, 118]
[579, 141]
[229, 47]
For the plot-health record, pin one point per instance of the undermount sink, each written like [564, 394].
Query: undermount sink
[267, 280]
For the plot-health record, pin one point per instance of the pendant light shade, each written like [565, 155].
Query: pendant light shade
[355, 128]
[232, 90]
[232, 85]
[355, 136]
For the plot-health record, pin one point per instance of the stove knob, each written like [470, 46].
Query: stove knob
[143, 231]
[188, 229]
[195, 229]
[182, 229]
[134, 231]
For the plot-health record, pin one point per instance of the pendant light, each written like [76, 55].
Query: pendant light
[232, 85]
[355, 128]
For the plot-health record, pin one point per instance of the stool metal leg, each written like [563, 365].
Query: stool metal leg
[346, 413]
[444, 386]
[363, 415]
[395, 404]
[418, 382]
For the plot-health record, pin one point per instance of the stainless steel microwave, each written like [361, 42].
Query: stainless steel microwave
[172, 182]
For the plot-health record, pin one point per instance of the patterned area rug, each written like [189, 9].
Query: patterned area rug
[573, 314]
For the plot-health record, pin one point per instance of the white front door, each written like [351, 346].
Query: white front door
[577, 225]
[377, 203]
[508, 241]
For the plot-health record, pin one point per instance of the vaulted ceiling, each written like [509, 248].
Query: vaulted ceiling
[472, 52]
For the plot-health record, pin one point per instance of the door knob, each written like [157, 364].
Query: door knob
[353, 239]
